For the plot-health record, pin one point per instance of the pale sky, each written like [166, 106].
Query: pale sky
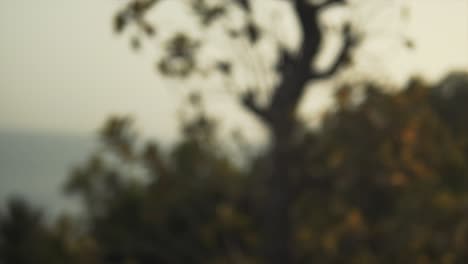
[63, 70]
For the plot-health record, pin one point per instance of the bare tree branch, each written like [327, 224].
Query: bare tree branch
[296, 69]
[249, 102]
[342, 59]
[328, 3]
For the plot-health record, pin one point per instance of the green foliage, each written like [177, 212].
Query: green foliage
[24, 238]
[190, 207]
[383, 181]
[393, 179]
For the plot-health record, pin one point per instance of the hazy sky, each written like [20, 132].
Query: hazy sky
[63, 70]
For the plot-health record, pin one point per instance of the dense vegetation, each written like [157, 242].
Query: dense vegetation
[382, 181]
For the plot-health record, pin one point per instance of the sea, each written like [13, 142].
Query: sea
[34, 166]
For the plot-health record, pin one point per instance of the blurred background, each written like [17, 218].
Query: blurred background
[75, 98]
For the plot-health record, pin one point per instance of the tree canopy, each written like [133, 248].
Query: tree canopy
[383, 181]
[182, 56]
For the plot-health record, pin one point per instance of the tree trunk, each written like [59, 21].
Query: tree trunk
[278, 201]
[280, 117]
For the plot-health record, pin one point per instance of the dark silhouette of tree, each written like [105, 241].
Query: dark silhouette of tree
[392, 180]
[383, 180]
[24, 238]
[293, 69]
[190, 206]
[375, 184]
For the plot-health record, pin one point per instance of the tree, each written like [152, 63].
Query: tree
[393, 178]
[278, 115]
[191, 205]
[383, 181]
[25, 238]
